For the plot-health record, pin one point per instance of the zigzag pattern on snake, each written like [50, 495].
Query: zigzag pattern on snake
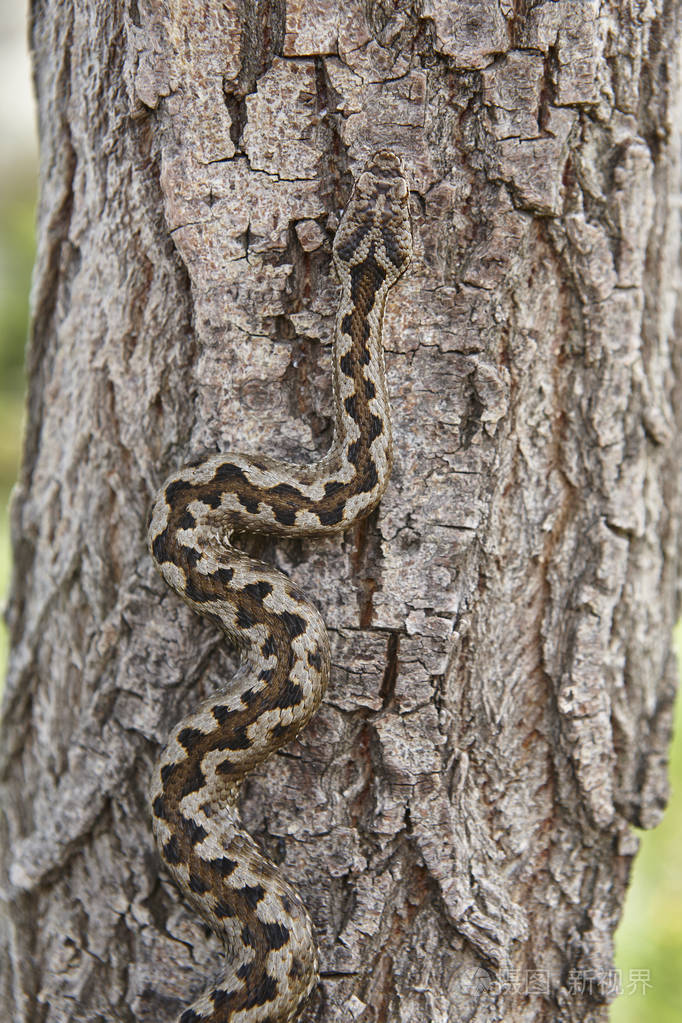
[272, 959]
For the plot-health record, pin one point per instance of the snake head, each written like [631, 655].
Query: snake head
[376, 221]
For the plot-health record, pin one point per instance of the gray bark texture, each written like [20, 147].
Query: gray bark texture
[458, 814]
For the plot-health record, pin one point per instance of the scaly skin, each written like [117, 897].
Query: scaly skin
[272, 959]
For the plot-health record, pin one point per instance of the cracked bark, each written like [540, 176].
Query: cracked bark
[459, 811]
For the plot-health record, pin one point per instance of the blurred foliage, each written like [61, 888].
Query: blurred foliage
[649, 938]
[17, 248]
[650, 934]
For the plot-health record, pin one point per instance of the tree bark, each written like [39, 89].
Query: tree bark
[458, 814]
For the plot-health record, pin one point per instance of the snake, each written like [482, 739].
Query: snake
[271, 962]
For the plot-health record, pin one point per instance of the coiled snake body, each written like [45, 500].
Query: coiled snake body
[272, 959]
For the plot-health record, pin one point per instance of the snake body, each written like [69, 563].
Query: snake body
[271, 954]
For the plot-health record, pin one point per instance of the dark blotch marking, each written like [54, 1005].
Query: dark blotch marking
[195, 832]
[171, 850]
[189, 555]
[278, 730]
[370, 389]
[251, 893]
[353, 242]
[190, 1016]
[222, 909]
[221, 998]
[350, 405]
[294, 624]
[291, 497]
[174, 490]
[160, 548]
[223, 865]
[248, 938]
[370, 478]
[269, 647]
[264, 992]
[375, 427]
[223, 575]
[226, 767]
[286, 490]
[359, 275]
[245, 970]
[189, 738]
[244, 619]
[194, 781]
[285, 515]
[227, 472]
[347, 327]
[238, 739]
[221, 714]
[266, 675]
[393, 251]
[353, 452]
[291, 695]
[212, 496]
[247, 697]
[251, 504]
[197, 885]
[331, 516]
[346, 362]
[259, 590]
[187, 521]
[315, 660]
[332, 488]
[276, 935]
[193, 592]
[159, 808]
[167, 772]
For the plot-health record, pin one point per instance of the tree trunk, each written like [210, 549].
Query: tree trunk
[458, 814]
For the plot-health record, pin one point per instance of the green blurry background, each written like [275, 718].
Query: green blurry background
[649, 940]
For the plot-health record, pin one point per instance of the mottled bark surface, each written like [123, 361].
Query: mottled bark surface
[500, 706]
